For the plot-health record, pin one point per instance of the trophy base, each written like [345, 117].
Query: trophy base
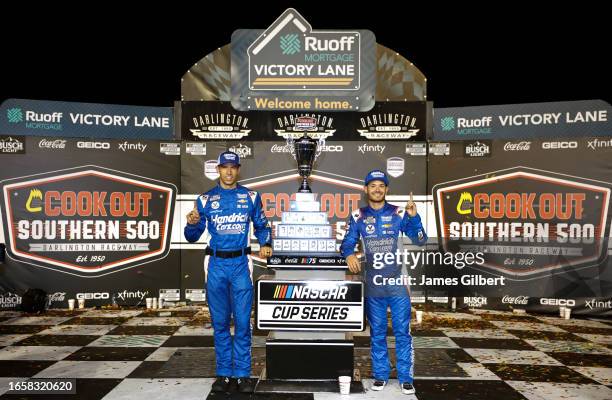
[318, 359]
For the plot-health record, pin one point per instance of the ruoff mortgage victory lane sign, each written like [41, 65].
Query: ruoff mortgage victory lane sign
[291, 67]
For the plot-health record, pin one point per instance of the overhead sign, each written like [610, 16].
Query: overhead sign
[513, 121]
[310, 305]
[68, 119]
[290, 66]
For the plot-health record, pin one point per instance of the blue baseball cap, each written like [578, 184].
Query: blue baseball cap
[376, 175]
[228, 157]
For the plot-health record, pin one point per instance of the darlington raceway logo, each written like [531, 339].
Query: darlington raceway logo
[382, 126]
[220, 126]
[86, 221]
[526, 221]
[317, 126]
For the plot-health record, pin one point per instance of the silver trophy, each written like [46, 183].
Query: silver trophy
[305, 151]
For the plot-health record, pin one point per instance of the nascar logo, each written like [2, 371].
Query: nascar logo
[309, 292]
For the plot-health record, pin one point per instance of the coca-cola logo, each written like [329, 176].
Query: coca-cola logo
[57, 297]
[515, 300]
[278, 148]
[517, 146]
[52, 144]
[293, 260]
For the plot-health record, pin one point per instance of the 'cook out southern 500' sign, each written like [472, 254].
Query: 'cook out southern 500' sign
[87, 221]
[291, 67]
[527, 221]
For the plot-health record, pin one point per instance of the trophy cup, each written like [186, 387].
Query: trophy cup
[304, 228]
[305, 151]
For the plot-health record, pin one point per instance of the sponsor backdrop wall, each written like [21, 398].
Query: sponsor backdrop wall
[537, 209]
[389, 137]
[87, 218]
[103, 218]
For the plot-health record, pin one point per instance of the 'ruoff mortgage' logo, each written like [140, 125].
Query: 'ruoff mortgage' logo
[289, 55]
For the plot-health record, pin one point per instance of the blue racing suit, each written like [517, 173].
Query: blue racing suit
[379, 231]
[228, 213]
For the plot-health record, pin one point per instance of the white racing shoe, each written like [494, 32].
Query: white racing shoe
[378, 385]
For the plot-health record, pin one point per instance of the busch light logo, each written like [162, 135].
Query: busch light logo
[242, 150]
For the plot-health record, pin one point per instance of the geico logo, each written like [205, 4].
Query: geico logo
[560, 145]
[558, 302]
[331, 149]
[93, 296]
[93, 145]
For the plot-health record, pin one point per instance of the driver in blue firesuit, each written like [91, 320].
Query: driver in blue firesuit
[379, 226]
[228, 210]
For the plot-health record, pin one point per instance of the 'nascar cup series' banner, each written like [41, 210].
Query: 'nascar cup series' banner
[531, 120]
[390, 137]
[69, 119]
[88, 218]
[538, 211]
[310, 305]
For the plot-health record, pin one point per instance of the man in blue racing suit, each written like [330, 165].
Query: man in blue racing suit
[379, 225]
[227, 210]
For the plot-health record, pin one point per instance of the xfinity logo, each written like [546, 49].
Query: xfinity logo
[558, 302]
[132, 295]
[94, 145]
[599, 144]
[132, 146]
[379, 148]
[559, 145]
[515, 300]
[52, 144]
[594, 303]
[517, 146]
[93, 296]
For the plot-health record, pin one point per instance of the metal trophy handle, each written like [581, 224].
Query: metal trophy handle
[305, 151]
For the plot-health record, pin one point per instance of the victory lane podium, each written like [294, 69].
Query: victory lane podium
[309, 305]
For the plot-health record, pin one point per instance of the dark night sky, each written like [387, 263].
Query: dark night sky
[512, 54]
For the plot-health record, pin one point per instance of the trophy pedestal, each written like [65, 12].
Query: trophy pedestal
[306, 355]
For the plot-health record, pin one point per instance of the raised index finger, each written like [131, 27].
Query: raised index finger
[410, 196]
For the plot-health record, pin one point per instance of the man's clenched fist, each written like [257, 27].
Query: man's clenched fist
[193, 217]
